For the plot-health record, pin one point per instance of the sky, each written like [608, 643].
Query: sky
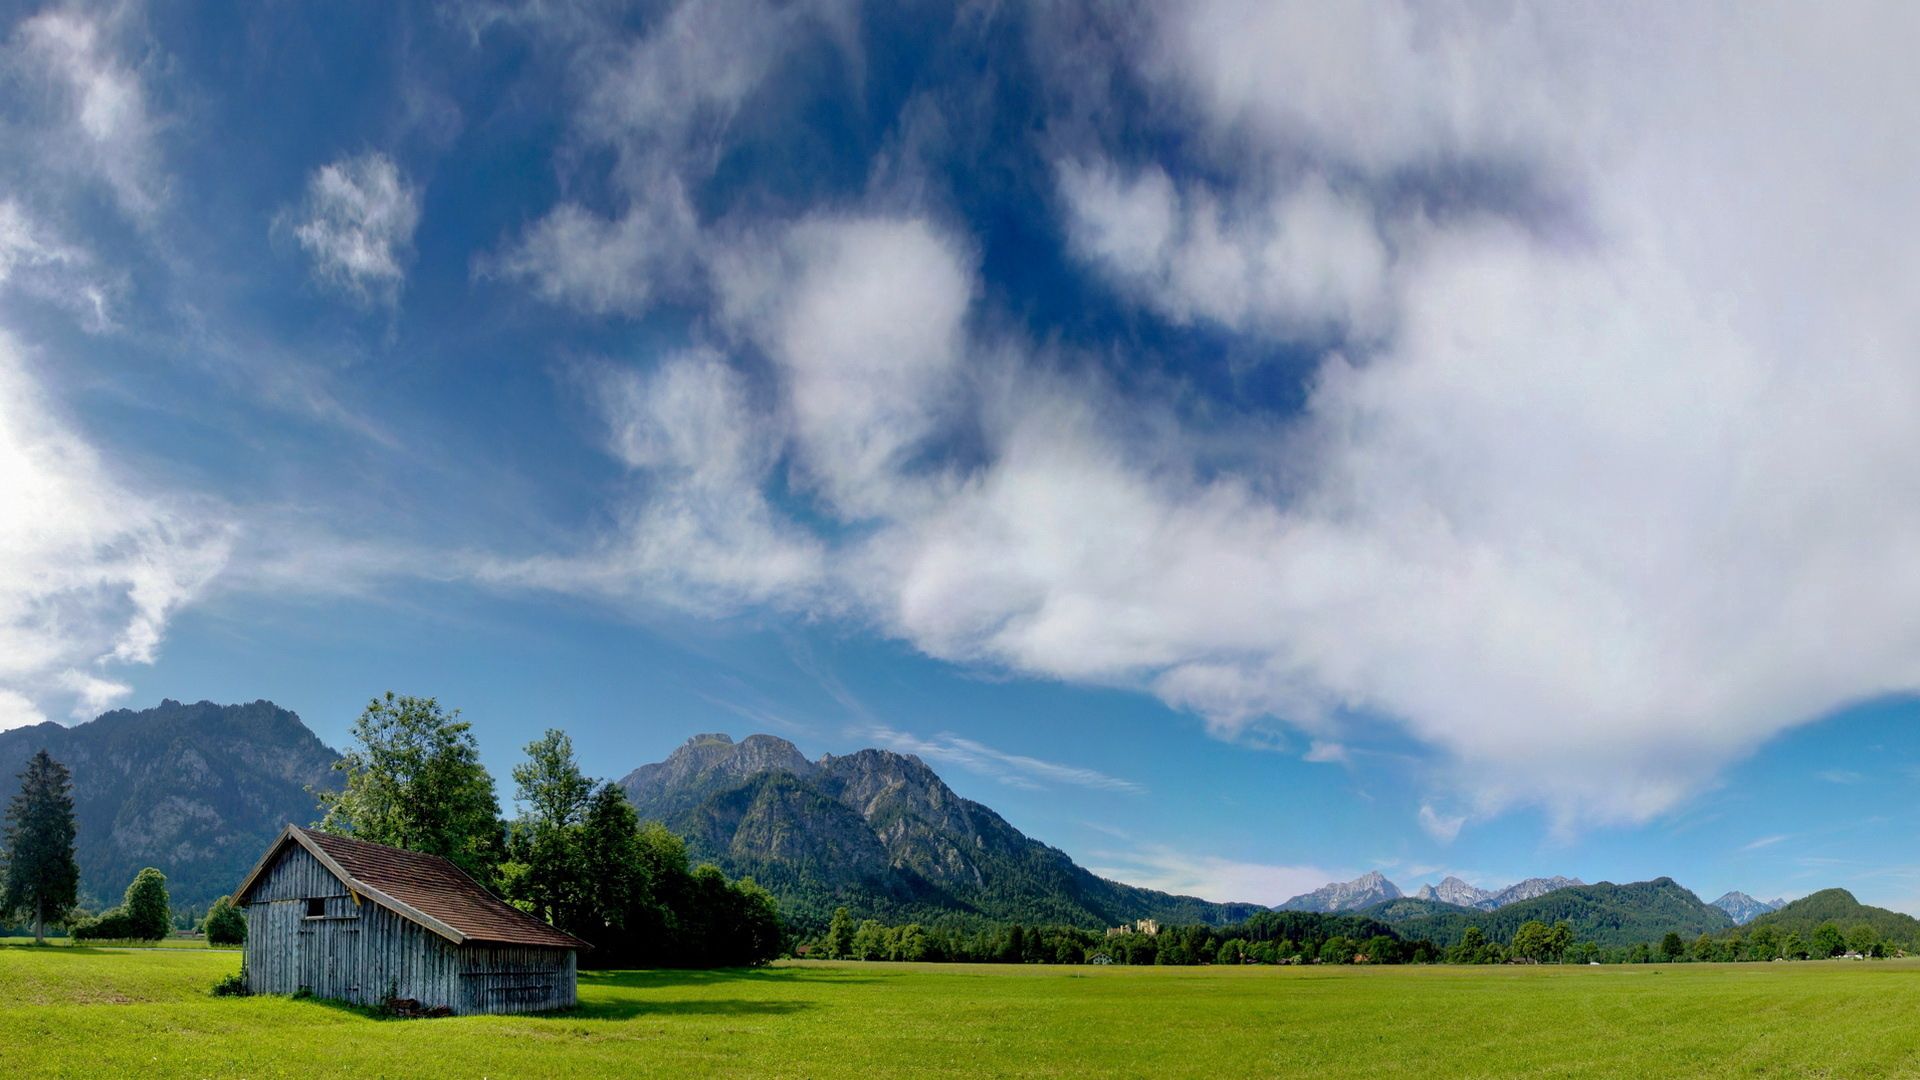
[1245, 443]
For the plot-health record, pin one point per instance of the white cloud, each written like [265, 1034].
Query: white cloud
[17, 710]
[1210, 877]
[357, 225]
[703, 535]
[90, 570]
[1764, 842]
[1442, 827]
[1304, 263]
[105, 124]
[35, 262]
[92, 695]
[661, 105]
[1612, 482]
[1016, 770]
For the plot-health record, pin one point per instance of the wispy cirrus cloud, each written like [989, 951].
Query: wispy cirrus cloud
[1759, 843]
[1017, 770]
[1210, 877]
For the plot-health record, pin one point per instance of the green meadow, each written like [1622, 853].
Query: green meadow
[77, 1011]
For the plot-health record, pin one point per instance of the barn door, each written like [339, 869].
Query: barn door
[343, 960]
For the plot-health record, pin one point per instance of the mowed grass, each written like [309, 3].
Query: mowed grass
[163, 943]
[84, 1012]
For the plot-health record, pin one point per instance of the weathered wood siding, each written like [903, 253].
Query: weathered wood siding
[361, 952]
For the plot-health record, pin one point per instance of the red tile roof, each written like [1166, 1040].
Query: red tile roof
[436, 888]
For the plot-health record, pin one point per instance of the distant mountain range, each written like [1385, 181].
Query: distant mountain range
[199, 790]
[880, 833]
[1605, 913]
[1743, 909]
[196, 790]
[1372, 889]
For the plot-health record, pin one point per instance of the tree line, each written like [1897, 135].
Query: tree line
[1294, 937]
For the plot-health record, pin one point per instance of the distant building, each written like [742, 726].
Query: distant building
[1138, 926]
[1101, 959]
[361, 922]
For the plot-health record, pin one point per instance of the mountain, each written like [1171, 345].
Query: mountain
[1838, 906]
[883, 835]
[1362, 892]
[195, 790]
[1456, 892]
[1528, 889]
[1742, 908]
[1606, 913]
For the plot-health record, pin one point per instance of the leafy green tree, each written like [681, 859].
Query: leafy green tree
[840, 935]
[1864, 939]
[149, 915]
[225, 924]
[870, 941]
[546, 870]
[1470, 949]
[1532, 941]
[1792, 947]
[1764, 944]
[1559, 940]
[1705, 949]
[414, 780]
[1827, 941]
[42, 878]
[1672, 947]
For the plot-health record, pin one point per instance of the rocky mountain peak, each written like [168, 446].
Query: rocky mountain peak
[1743, 909]
[1364, 891]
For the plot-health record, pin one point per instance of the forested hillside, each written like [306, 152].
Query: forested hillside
[196, 790]
[1839, 907]
[1606, 914]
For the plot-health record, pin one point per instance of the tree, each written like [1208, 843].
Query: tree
[1827, 941]
[42, 878]
[1864, 940]
[1532, 941]
[1672, 947]
[1471, 948]
[550, 781]
[224, 924]
[1560, 939]
[546, 869]
[840, 935]
[414, 781]
[149, 916]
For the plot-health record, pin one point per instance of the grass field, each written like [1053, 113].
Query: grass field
[84, 1012]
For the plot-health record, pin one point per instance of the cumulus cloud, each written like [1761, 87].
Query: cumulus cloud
[91, 570]
[661, 106]
[1306, 262]
[1609, 478]
[357, 226]
[104, 125]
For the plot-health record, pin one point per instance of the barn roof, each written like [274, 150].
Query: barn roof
[425, 888]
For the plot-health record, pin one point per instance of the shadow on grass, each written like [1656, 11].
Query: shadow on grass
[657, 984]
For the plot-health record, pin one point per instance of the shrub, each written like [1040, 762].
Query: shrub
[109, 925]
[225, 924]
[234, 985]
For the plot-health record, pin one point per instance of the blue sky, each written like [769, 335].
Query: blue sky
[1246, 444]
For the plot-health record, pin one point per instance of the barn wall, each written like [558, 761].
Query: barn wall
[361, 952]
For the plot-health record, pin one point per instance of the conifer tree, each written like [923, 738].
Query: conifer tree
[42, 877]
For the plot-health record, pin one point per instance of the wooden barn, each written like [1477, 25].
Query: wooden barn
[363, 922]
